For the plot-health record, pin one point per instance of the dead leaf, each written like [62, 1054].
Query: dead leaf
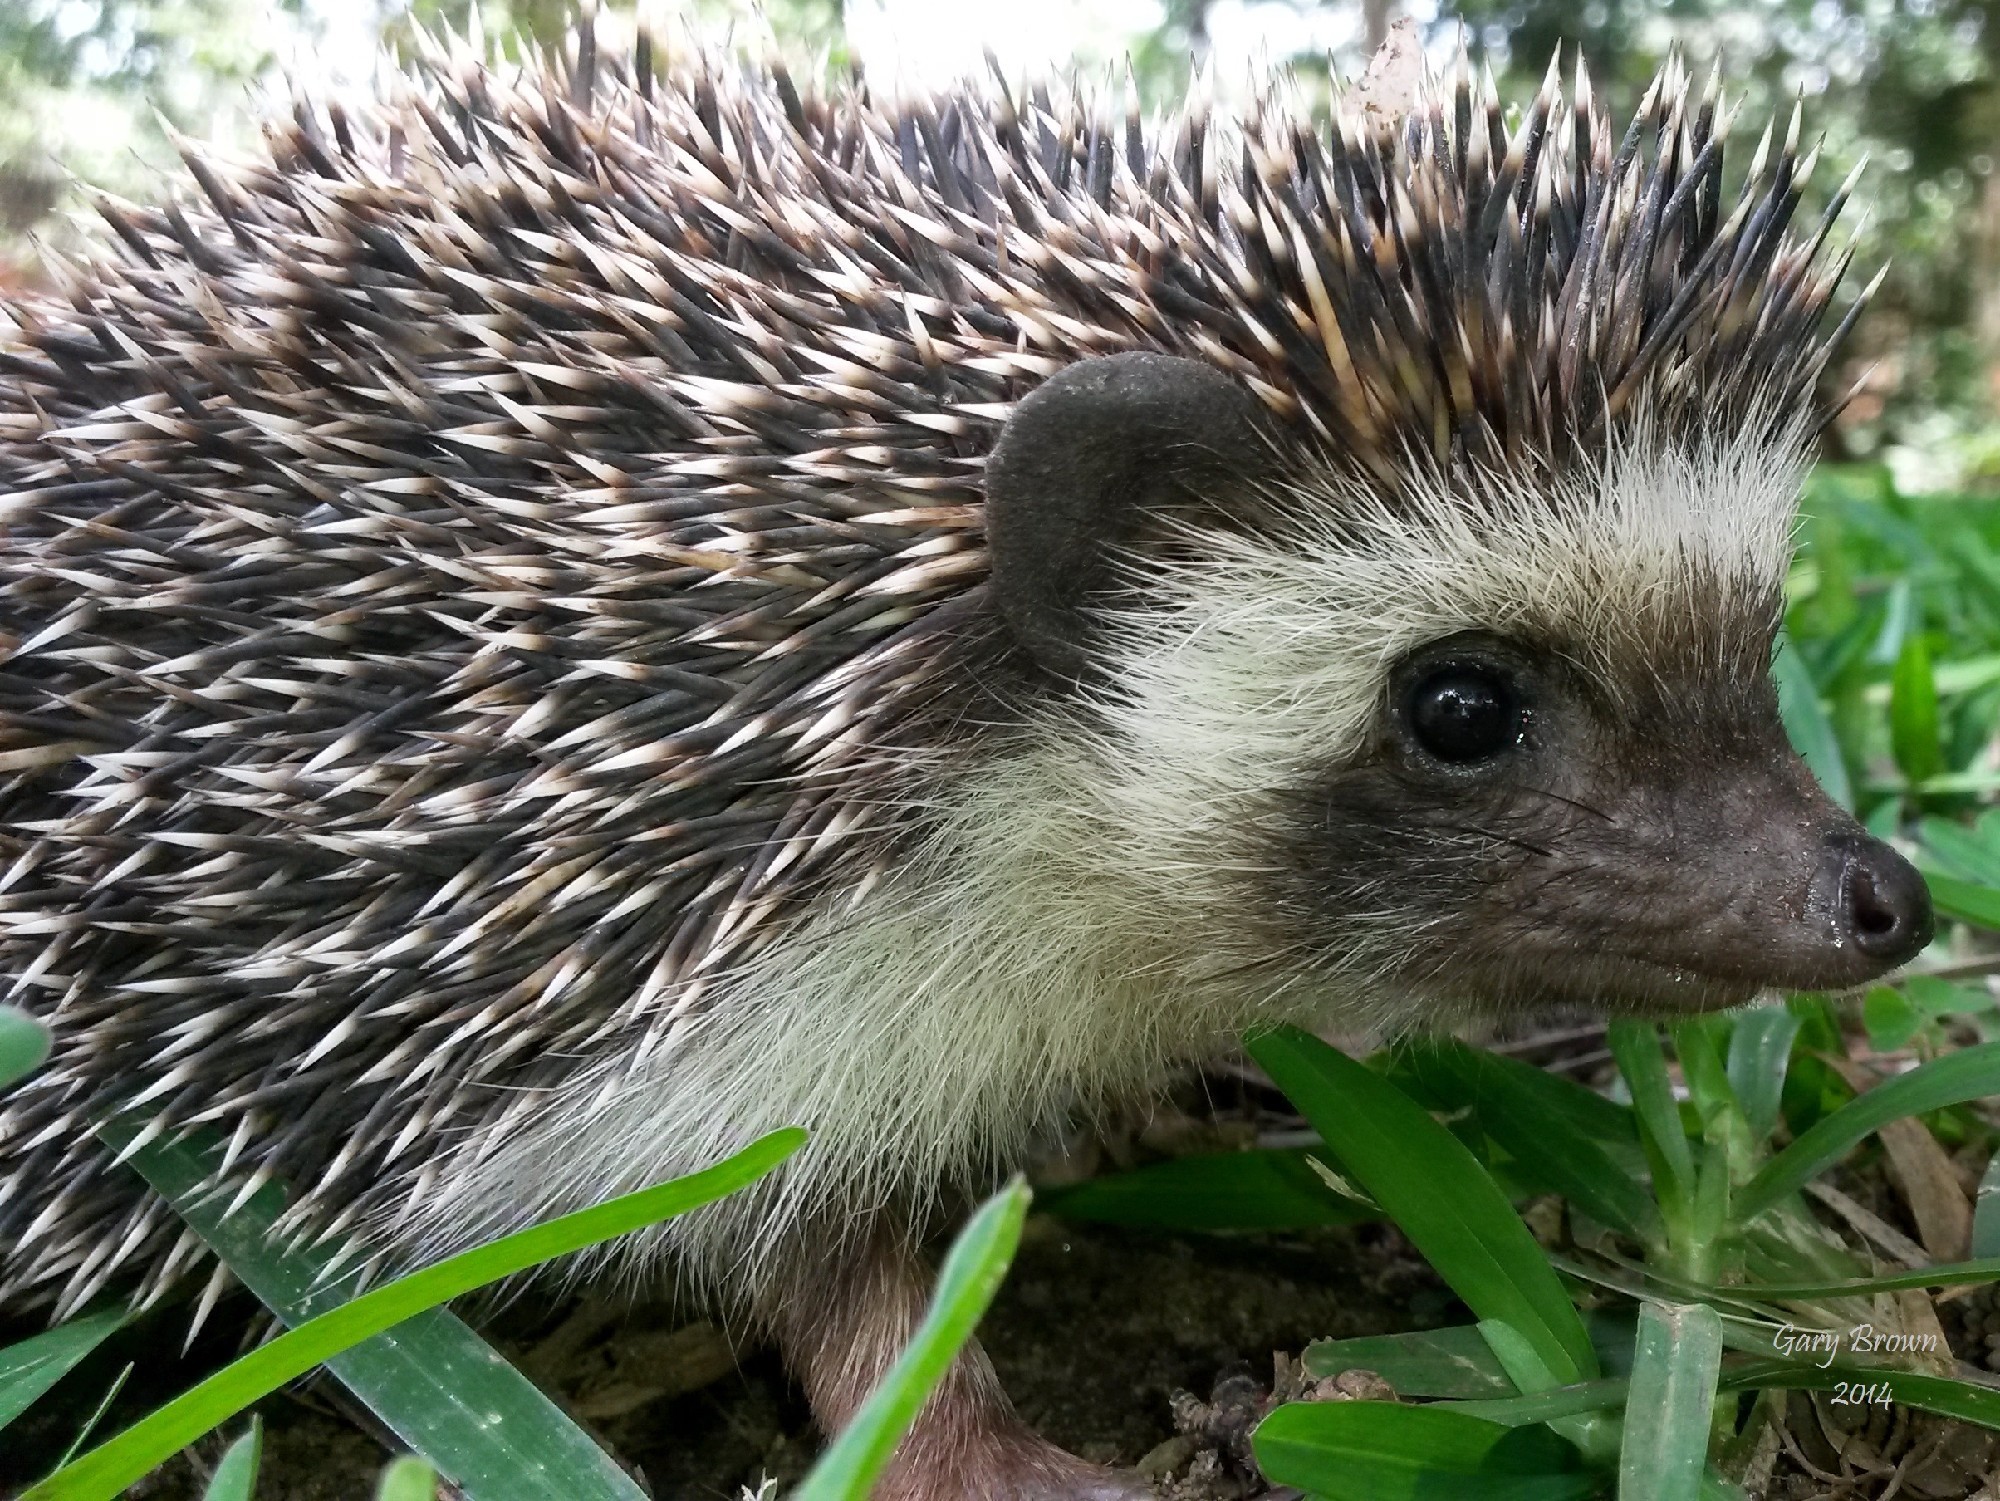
[1916, 1316]
[1919, 1167]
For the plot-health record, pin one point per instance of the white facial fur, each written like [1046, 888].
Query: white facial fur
[1070, 931]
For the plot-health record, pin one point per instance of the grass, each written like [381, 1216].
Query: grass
[397, 1380]
[1708, 1311]
[479, 1423]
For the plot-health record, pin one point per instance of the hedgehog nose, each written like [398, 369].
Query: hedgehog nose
[1884, 906]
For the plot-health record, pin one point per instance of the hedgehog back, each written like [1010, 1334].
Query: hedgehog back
[464, 581]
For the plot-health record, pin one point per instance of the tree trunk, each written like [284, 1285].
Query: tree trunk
[1986, 285]
[1376, 16]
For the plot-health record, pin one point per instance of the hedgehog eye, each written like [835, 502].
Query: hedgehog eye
[1464, 713]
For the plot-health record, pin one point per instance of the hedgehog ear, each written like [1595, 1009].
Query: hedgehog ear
[1083, 462]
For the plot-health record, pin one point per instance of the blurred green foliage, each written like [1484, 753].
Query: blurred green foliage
[1913, 85]
[80, 81]
[89, 89]
[808, 26]
[1895, 615]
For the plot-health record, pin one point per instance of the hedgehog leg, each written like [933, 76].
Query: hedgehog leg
[840, 1327]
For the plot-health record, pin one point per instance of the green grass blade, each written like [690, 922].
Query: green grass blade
[1966, 853]
[1669, 1412]
[435, 1383]
[1965, 900]
[34, 1365]
[24, 1045]
[407, 1479]
[1986, 1212]
[1698, 1046]
[1435, 1190]
[443, 1390]
[1934, 996]
[1595, 1436]
[235, 1477]
[1516, 1103]
[1264, 1190]
[117, 1463]
[1760, 1047]
[1601, 1395]
[1953, 1079]
[1458, 1362]
[1968, 674]
[1913, 711]
[96, 1415]
[1806, 723]
[1518, 1356]
[1945, 1274]
[1445, 1074]
[1454, 1362]
[1896, 623]
[972, 1274]
[1973, 1401]
[1636, 1048]
[1890, 1018]
[1384, 1451]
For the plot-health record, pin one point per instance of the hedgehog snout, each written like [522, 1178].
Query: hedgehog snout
[1881, 908]
[1759, 879]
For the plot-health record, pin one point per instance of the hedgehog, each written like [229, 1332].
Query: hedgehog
[560, 620]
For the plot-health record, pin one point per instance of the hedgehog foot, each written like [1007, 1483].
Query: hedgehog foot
[940, 1460]
[841, 1327]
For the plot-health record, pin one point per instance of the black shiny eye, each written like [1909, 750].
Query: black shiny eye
[1464, 713]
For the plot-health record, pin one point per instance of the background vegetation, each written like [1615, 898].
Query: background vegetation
[88, 89]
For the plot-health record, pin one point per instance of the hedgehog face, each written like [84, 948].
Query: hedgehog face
[1556, 823]
[1491, 740]
[1500, 766]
